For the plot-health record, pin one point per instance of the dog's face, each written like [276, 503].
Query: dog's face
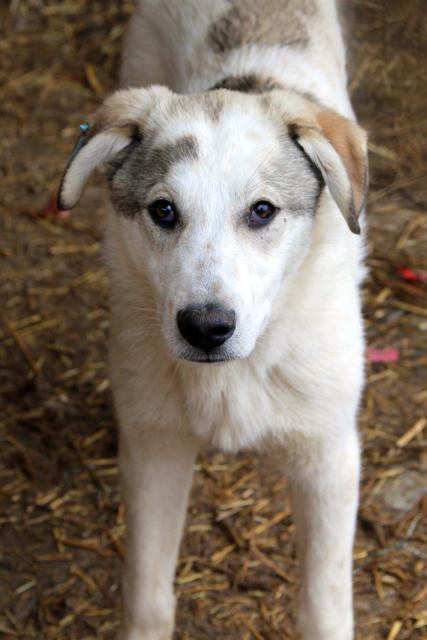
[215, 196]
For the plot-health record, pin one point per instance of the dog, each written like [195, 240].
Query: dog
[237, 178]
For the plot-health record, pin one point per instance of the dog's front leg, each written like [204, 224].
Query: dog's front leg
[156, 468]
[325, 499]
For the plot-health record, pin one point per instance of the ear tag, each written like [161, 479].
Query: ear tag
[84, 128]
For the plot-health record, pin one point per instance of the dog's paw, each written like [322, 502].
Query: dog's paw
[314, 632]
[148, 634]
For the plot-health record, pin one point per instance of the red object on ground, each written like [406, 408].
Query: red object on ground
[51, 210]
[412, 276]
[388, 354]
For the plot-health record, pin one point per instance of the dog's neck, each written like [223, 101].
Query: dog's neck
[257, 84]
[248, 83]
[259, 71]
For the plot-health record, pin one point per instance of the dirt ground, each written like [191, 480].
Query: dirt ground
[60, 515]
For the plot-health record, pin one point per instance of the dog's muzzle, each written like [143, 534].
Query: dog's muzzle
[206, 326]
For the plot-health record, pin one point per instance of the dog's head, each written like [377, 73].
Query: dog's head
[215, 196]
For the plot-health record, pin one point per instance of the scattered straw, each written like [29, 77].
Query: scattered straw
[61, 520]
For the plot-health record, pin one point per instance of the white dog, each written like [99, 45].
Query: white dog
[233, 239]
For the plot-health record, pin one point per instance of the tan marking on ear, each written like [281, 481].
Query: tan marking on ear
[336, 145]
[126, 110]
[350, 142]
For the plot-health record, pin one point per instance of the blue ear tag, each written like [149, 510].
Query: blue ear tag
[84, 128]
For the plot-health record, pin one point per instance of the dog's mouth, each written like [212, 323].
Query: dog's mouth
[208, 358]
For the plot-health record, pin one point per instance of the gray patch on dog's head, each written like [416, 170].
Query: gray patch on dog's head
[212, 105]
[272, 22]
[250, 83]
[140, 166]
[207, 103]
[295, 177]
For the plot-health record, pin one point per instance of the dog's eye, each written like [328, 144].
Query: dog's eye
[261, 213]
[163, 213]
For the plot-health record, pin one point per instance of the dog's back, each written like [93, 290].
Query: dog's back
[192, 45]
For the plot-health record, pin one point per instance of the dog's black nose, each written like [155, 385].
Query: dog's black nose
[206, 326]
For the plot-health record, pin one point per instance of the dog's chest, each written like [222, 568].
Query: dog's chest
[233, 407]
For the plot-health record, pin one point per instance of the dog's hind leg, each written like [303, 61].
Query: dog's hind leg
[325, 498]
[156, 468]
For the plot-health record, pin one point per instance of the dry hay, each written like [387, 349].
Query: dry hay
[61, 520]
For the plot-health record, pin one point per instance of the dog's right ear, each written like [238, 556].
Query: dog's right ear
[117, 122]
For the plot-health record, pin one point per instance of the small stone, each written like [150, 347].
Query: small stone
[404, 491]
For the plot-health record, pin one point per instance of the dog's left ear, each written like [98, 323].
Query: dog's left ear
[117, 122]
[338, 147]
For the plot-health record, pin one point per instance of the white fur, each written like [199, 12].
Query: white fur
[295, 380]
[100, 149]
